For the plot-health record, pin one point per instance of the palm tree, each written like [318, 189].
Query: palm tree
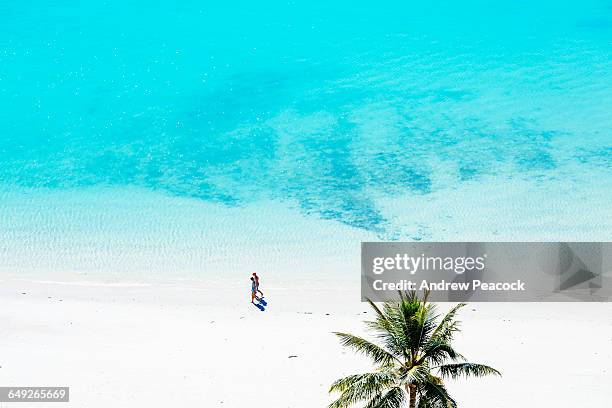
[412, 360]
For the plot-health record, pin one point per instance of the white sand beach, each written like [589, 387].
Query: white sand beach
[205, 345]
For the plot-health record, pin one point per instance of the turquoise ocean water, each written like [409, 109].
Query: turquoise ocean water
[349, 113]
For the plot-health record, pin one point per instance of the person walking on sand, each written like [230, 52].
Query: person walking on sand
[253, 290]
[257, 284]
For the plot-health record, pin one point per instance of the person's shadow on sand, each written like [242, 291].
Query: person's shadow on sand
[261, 304]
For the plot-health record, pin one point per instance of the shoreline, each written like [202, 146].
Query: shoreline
[119, 233]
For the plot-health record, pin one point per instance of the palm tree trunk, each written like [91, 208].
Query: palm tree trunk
[411, 388]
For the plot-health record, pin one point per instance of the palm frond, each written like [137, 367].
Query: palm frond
[415, 374]
[403, 325]
[394, 398]
[436, 352]
[360, 387]
[367, 380]
[433, 394]
[391, 340]
[448, 325]
[390, 329]
[466, 370]
[425, 323]
[378, 354]
[417, 318]
[376, 308]
[385, 330]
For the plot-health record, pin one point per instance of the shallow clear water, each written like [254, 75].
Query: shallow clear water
[337, 108]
